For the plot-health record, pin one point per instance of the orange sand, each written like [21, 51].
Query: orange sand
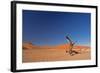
[33, 53]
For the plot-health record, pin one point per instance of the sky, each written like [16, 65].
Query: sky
[51, 28]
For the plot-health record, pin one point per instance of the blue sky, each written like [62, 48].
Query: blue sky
[51, 28]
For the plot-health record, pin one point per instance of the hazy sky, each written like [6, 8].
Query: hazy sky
[51, 28]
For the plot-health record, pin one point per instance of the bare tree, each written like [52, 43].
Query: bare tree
[71, 51]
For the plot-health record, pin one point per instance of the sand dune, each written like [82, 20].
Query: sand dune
[34, 53]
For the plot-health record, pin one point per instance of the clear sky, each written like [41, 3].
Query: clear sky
[51, 28]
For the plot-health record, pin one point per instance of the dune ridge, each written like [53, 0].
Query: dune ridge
[61, 46]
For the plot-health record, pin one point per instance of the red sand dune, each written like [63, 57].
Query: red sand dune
[62, 46]
[29, 46]
[34, 53]
[66, 47]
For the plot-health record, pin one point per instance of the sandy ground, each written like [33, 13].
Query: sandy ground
[44, 54]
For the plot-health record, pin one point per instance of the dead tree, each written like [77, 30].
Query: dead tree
[71, 51]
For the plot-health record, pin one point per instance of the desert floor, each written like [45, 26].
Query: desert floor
[43, 55]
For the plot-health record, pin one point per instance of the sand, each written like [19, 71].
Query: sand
[57, 53]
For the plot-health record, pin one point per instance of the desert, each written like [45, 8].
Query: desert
[46, 53]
